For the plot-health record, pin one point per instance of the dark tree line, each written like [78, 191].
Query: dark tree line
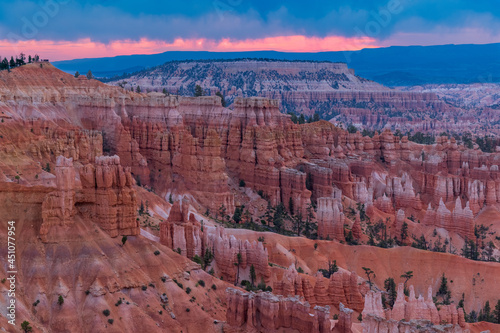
[20, 60]
[301, 119]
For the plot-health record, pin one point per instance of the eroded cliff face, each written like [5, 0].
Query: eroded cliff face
[265, 312]
[330, 89]
[412, 315]
[341, 287]
[75, 153]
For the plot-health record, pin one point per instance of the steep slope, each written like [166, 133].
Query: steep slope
[183, 167]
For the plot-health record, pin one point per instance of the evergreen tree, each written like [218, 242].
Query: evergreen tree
[298, 223]
[404, 232]
[278, 217]
[496, 313]
[25, 326]
[443, 291]
[90, 76]
[370, 275]
[198, 91]
[237, 214]
[12, 62]
[332, 269]
[294, 118]
[253, 276]
[223, 100]
[390, 287]
[238, 263]
[487, 312]
[407, 276]
[138, 89]
[302, 119]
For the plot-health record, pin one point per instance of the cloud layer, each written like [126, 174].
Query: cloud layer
[111, 26]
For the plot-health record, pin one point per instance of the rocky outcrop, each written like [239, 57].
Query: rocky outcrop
[410, 314]
[356, 228]
[226, 249]
[330, 219]
[266, 312]
[461, 220]
[330, 89]
[104, 193]
[341, 287]
[108, 196]
[200, 163]
[345, 319]
[58, 207]
[181, 231]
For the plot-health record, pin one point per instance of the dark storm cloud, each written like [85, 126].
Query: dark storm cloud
[107, 20]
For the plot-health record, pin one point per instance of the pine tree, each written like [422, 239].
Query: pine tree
[25, 326]
[369, 274]
[443, 291]
[90, 76]
[198, 91]
[407, 276]
[390, 287]
[302, 119]
[238, 263]
[223, 101]
[77, 74]
[253, 276]
[496, 313]
[404, 232]
[487, 312]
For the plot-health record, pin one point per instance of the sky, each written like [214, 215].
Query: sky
[69, 29]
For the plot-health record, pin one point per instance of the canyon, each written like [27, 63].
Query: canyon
[332, 90]
[128, 202]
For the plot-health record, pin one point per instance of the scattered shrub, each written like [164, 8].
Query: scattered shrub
[106, 312]
[188, 290]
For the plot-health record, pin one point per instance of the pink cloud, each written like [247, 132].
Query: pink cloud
[86, 48]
